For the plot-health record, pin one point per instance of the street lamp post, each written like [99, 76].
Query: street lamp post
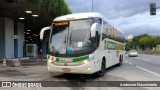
[92, 5]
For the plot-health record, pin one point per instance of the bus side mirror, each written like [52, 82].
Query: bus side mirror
[43, 30]
[95, 27]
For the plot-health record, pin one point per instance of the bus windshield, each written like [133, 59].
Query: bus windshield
[71, 37]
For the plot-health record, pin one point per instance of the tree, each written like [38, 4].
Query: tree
[135, 41]
[47, 7]
[147, 42]
[58, 7]
[128, 45]
[144, 42]
[157, 40]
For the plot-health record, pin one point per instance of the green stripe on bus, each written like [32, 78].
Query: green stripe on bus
[80, 58]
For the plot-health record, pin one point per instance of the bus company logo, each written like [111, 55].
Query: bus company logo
[6, 84]
[65, 60]
[111, 45]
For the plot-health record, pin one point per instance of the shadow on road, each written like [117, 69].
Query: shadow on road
[82, 77]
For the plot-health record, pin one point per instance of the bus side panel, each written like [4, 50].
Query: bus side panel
[105, 53]
[98, 55]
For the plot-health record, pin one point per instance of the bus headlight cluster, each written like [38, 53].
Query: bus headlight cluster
[85, 61]
[91, 57]
[50, 58]
[88, 69]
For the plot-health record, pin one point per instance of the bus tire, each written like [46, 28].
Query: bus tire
[53, 74]
[103, 69]
[120, 60]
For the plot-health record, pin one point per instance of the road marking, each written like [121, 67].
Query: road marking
[148, 71]
[143, 59]
[130, 63]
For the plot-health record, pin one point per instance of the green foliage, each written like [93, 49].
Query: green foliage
[53, 7]
[143, 41]
[146, 42]
[157, 40]
[128, 46]
[135, 41]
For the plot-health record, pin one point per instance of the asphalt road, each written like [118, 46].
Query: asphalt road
[149, 66]
[142, 68]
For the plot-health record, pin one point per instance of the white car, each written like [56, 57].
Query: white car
[132, 53]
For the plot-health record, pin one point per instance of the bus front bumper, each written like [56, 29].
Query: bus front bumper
[86, 68]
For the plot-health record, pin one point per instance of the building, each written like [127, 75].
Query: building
[21, 22]
[130, 37]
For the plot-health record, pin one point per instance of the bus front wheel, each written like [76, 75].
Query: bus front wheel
[103, 69]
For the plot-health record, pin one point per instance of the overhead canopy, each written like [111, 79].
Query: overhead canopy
[46, 10]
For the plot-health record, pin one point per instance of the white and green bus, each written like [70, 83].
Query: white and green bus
[83, 43]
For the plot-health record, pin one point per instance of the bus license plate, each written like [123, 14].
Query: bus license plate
[66, 69]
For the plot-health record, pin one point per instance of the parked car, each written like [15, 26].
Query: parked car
[132, 53]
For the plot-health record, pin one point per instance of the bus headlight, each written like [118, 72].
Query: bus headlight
[50, 58]
[85, 61]
[89, 69]
[91, 57]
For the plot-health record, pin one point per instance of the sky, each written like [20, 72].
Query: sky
[130, 16]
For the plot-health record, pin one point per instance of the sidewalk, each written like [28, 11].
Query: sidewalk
[28, 71]
[25, 59]
[27, 62]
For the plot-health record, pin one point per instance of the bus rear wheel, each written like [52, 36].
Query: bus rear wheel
[120, 60]
[103, 69]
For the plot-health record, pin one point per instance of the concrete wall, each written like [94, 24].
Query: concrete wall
[20, 39]
[9, 41]
[2, 38]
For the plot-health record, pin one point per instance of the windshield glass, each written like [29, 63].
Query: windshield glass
[71, 37]
[132, 51]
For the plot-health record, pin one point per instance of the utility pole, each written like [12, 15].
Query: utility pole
[92, 5]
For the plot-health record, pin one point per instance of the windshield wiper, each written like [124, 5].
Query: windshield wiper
[71, 43]
[56, 52]
[62, 45]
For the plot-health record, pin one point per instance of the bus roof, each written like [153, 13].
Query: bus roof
[78, 16]
[82, 16]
